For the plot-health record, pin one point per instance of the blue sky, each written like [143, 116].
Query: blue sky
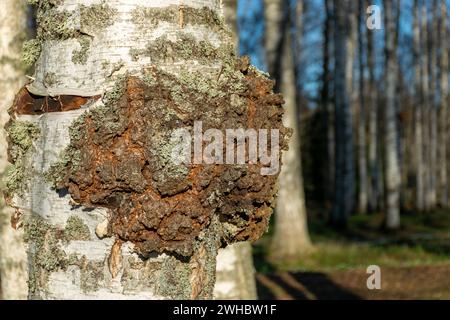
[251, 24]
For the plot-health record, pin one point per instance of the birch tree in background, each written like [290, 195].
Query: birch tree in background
[345, 29]
[433, 126]
[290, 239]
[107, 213]
[392, 171]
[418, 111]
[425, 75]
[13, 32]
[327, 97]
[235, 273]
[362, 143]
[373, 156]
[443, 115]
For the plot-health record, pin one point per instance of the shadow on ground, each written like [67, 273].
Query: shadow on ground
[301, 286]
[405, 283]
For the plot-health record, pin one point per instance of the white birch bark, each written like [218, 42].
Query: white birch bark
[362, 154]
[235, 274]
[290, 239]
[13, 31]
[434, 27]
[327, 98]
[426, 105]
[443, 116]
[159, 277]
[392, 170]
[373, 156]
[345, 32]
[418, 117]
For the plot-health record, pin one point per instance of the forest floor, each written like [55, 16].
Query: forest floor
[414, 262]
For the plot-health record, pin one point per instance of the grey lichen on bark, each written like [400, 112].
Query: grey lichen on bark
[20, 137]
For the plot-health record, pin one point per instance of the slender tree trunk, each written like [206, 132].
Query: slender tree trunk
[344, 52]
[426, 105]
[13, 32]
[443, 116]
[373, 125]
[327, 100]
[362, 155]
[392, 171]
[235, 273]
[434, 28]
[291, 238]
[107, 211]
[420, 187]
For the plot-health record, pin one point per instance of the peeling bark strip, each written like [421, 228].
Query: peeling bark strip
[27, 103]
[120, 159]
[107, 215]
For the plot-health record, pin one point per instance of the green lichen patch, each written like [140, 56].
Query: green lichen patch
[151, 17]
[185, 48]
[21, 135]
[54, 24]
[46, 253]
[76, 229]
[96, 17]
[174, 279]
[112, 96]
[50, 79]
[31, 51]
[92, 273]
[80, 56]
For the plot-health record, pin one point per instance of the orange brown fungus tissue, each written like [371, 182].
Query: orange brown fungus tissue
[117, 160]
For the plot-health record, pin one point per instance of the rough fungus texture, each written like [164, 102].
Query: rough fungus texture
[120, 158]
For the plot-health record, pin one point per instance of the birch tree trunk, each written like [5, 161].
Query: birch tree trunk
[420, 188]
[235, 279]
[426, 105]
[235, 273]
[291, 238]
[327, 99]
[13, 31]
[362, 155]
[434, 27]
[373, 156]
[345, 25]
[392, 173]
[443, 116]
[107, 213]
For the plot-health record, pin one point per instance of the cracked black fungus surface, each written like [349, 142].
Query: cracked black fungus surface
[120, 161]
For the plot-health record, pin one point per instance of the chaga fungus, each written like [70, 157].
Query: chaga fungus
[119, 159]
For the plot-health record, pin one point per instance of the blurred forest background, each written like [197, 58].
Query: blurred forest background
[371, 107]
[366, 179]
